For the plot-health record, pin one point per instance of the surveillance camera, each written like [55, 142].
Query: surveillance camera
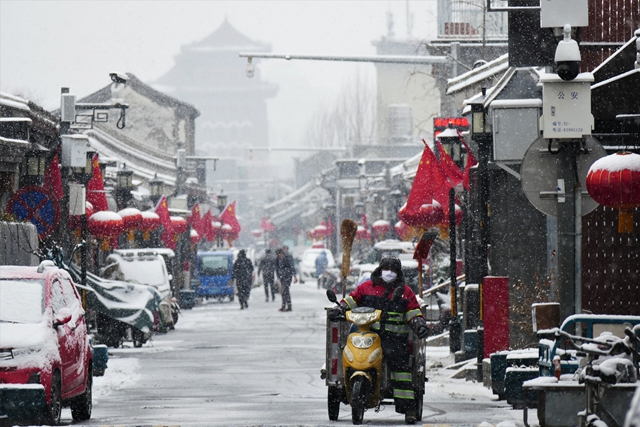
[119, 77]
[567, 56]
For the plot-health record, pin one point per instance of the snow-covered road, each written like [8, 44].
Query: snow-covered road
[224, 366]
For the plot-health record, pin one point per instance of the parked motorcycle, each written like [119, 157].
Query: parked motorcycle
[175, 310]
[364, 381]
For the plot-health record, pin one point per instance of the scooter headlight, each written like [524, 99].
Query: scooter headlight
[362, 341]
[361, 318]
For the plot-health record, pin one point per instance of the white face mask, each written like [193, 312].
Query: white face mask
[388, 276]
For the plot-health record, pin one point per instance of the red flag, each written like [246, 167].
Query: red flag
[421, 251]
[229, 217]
[449, 167]
[430, 183]
[162, 210]
[53, 180]
[196, 221]
[207, 227]
[471, 162]
[95, 188]
[267, 225]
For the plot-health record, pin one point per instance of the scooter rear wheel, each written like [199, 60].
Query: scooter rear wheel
[358, 400]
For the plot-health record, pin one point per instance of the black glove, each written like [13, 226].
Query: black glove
[335, 314]
[420, 327]
[422, 331]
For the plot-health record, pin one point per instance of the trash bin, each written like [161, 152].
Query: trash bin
[498, 372]
[187, 298]
[100, 359]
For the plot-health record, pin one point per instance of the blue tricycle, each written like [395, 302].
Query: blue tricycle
[214, 274]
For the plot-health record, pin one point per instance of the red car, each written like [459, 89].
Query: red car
[45, 356]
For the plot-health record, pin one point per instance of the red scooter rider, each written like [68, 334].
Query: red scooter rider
[394, 330]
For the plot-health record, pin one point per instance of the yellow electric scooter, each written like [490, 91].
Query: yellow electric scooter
[364, 381]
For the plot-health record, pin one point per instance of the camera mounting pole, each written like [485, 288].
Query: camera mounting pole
[566, 120]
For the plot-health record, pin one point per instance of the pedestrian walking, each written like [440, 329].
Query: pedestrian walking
[321, 265]
[286, 271]
[267, 267]
[242, 273]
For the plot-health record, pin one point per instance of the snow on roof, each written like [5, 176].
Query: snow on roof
[141, 163]
[479, 74]
[13, 101]
[617, 162]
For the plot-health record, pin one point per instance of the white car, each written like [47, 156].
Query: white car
[307, 266]
[388, 248]
[147, 267]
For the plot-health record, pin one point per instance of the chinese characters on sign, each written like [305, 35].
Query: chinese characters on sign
[566, 108]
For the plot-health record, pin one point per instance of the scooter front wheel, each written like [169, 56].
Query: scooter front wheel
[358, 399]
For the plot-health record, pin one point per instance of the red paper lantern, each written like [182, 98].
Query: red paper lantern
[320, 231]
[362, 233]
[75, 221]
[194, 236]
[402, 230]
[217, 228]
[267, 225]
[150, 222]
[256, 233]
[311, 234]
[444, 225]
[105, 225]
[132, 219]
[614, 181]
[429, 215]
[226, 231]
[381, 227]
[179, 224]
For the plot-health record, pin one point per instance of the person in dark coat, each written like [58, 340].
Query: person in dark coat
[286, 271]
[267, 267]
[242, 272]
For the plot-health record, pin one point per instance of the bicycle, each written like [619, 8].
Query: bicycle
[597, 377]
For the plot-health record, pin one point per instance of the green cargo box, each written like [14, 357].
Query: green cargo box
[514, 378]
[21, 401]
[498, 372]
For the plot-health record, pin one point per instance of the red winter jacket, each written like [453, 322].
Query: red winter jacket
[377, 294]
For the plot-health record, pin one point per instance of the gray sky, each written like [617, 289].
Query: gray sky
[45, 45]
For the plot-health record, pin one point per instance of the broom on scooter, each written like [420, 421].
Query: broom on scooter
[348, 230]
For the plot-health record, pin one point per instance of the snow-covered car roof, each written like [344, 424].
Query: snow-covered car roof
[394, 244]
[19, 272]
[151, 252]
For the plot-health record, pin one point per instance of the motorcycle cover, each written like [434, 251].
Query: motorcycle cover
[130, 303]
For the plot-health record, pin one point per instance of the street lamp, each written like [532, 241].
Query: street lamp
[329, 210]
[482, 134]
[83, 175]
[124, 185]
[156, 188]
[221, 202]
[451, 143]
[34, 165]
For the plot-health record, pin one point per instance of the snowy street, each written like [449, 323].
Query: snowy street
[226, 366]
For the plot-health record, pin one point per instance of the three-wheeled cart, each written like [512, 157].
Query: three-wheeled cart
[332, 372]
